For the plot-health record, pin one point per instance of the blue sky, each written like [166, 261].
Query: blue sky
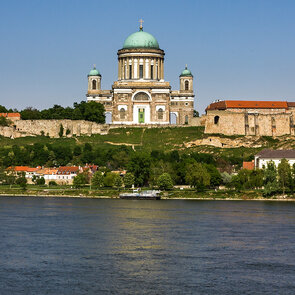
[236, 49]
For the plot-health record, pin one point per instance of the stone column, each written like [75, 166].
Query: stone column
[119, 69]
[160, 69]
[125, 68]
[144, 68]
[133, 70]
[127, 65]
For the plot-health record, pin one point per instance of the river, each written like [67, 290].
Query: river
[96, 246]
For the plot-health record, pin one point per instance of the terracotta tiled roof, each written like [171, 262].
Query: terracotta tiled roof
[276, 154]
[291, 104]
[68, 170]
[247, 104]
[248, 165]
[23, 169]
[91, 167]
[10, 115]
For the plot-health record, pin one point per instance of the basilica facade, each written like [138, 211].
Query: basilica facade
[141, 95]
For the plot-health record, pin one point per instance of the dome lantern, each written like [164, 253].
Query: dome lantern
[94, 72]
[186, 72]
[141, 39]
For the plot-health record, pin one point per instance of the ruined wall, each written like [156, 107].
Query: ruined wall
[51, 128]
[233, 123]
[225, 123]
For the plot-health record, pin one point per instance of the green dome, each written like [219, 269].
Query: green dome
[186, 73]
[94, 72]
[141, 39]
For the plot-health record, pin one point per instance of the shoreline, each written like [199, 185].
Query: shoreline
[162, 198]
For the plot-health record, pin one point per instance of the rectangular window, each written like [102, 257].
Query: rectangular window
[152, 72]
[140, 71]
[130, 72]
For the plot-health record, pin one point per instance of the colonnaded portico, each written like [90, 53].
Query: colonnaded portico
[141, 95]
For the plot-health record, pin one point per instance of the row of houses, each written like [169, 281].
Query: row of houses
[62, 175]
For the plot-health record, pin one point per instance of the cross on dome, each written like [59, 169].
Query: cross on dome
[141, 21]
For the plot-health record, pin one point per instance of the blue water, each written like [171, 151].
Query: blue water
[84, 246]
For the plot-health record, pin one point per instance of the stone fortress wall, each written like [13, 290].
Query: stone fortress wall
[256, 118]
[51, 128]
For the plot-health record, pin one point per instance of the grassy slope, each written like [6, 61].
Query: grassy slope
[145, 139]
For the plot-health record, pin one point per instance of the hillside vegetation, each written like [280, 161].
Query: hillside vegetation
[151, 139]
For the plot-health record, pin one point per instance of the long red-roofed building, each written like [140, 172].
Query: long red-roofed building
[245, 117]
[11, 116]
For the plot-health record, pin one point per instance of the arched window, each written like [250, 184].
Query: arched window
[141, 96]
[122, 113]
[186, 85]
[186, 119]
[93, 84]
[216, 119]
[160, 114]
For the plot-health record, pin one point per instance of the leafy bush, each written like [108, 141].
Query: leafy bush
[165, 181]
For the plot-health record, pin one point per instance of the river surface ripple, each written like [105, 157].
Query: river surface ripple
[94, 246]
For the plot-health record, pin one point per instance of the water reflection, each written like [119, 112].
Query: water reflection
[84, 246]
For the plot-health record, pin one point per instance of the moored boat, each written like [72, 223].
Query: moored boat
[145, 195]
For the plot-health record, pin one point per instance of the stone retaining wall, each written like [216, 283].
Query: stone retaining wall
[51, 128]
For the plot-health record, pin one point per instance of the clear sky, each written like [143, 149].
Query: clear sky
[236, 49]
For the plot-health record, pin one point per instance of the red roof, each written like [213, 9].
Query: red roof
[248, 165]
[291, 104]
[23, 169]
[67, 170]
[10, 115]
[247, 104]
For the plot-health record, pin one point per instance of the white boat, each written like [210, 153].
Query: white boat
[145, 195]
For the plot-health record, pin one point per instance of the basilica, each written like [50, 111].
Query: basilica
[141, 95]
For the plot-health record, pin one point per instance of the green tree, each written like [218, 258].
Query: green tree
[77, 150]
[109, 179]
[97, 179]
[30, 114]
[80, 180]
[22, 181]
[129, 180]
[270, 173]
[215, 177]
[197, 176]
[94, 112]
[236, 182]
[3, 109]
[139, 165]
[226, 178]
[165, 181]
[40, 181]
[256, 178]
[118, 182]
[4, 121]
[271, 185]
[284, 174]
[77, 115]
[61, 131]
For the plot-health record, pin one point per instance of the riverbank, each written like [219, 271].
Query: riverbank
[171, 195]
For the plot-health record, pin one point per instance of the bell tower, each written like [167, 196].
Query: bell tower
[186, 81]
[94, 80]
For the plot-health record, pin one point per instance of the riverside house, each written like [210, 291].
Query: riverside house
[265, 156]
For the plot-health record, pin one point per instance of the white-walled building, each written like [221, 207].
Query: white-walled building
[265, 156]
